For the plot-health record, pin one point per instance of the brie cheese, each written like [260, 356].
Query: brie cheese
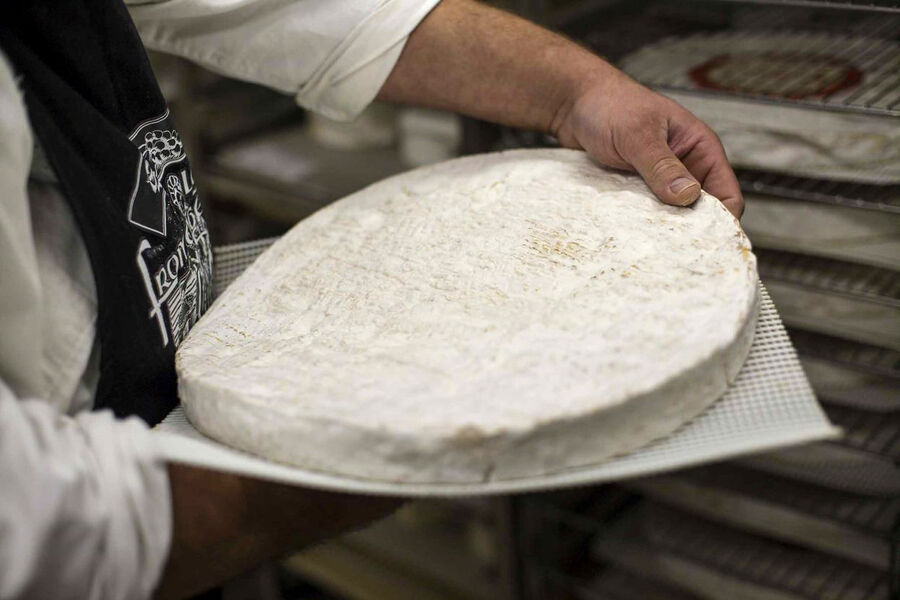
[490, 317]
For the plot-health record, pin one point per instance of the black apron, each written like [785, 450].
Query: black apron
[102, 122]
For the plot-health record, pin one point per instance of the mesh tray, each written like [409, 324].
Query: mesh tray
[770, 405]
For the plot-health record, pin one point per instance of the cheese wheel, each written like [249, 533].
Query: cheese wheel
[492, 317]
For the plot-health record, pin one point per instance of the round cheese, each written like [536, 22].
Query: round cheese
[491, 317]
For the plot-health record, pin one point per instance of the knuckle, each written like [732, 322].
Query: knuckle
[665, 166]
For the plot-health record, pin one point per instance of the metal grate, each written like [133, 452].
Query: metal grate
[230, 261]
[708, 554]
[864, 5]
[885, 198]
[862, 357]
[870, 515]
[870, 432]
[857, 281]
[803, 40]
[833, 466]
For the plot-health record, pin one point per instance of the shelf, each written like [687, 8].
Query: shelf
[847, 525]
[285, 175]
[441, 555]
[838, 60]
[864, 358]
[356, 574]
[611, 584]
[838, 385]
[865, 237]
[837, 315]
[717, 561]
[875, 6]
[874, 197]
[832, 297]
[832, 466]
[859, 282]
[870, 432]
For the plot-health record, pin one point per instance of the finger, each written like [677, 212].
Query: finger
[667, 176]
[707, 162]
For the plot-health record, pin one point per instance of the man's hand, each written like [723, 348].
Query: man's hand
[483, 62]
[626, 126]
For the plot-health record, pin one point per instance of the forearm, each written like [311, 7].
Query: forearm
[83, 504]
[226, 524]
[473, 59]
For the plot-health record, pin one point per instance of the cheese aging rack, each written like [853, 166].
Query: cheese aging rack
[815, 522]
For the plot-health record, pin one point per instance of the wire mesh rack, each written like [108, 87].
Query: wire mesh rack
[869, 196]
[568, 551]
[862, 357]
[231, 260]
[864, 282]
[833, 466]
[713, 559]
[867, 431]
[889, 6]
[801, 69]
[869, 515]
[833, 297]
[848, 490]
[851, 526]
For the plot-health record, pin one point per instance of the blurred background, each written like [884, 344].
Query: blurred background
[806, 96]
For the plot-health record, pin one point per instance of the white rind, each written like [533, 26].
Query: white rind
[491, 317]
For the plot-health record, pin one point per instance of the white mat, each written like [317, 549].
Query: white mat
[771, 405]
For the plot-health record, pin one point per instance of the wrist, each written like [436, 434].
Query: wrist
[592, 81]
[583, 73]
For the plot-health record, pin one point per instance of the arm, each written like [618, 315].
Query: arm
[463, 56]
[88, 507]
[225, 524]
[469, 58]
[84, 510]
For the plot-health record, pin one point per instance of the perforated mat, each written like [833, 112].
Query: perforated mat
[771, 405]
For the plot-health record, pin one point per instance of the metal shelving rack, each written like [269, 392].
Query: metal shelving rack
[814, 522]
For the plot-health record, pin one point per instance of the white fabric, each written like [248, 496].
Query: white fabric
[332, 55]
[84, 505]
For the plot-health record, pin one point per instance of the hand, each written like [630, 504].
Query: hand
[474, 59]
[224, 524]
[624, 125]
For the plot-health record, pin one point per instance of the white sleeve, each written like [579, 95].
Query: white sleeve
[85, 509]
[332, 55]
[20, 287]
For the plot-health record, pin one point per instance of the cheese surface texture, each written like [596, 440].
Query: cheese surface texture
[491, 317]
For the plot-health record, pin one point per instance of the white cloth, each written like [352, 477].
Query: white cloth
[333, 55]
[84, 504]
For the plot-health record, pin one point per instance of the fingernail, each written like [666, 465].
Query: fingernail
[680, 188]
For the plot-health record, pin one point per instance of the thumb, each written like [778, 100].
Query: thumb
[667, 176]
